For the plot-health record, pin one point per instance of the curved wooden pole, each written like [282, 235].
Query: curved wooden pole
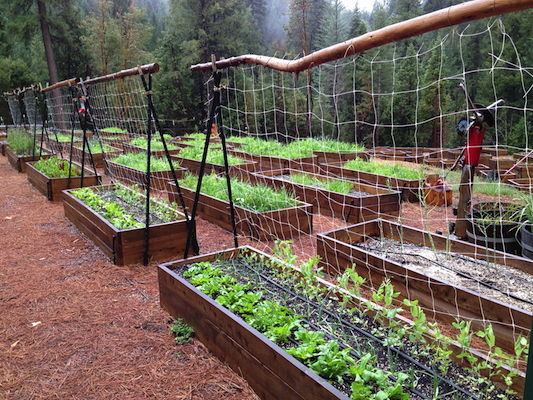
[68, 82]
[454, 15]
[146, 69]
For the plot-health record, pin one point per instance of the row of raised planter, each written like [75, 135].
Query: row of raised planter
[271, 372]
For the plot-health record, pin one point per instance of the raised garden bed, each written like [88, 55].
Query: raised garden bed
[268, 163]
[363, 202]
[284, 224]
[328, 157]
[271, 372]
[19, 162]
[228, 331]
[194, 166]
[525, 184]
[342, 249]
[126, 246]
[495, 225]
[97, 156]
[410, 189]
[158, 179]
[3, 146]
[52, 187]
[130, 148]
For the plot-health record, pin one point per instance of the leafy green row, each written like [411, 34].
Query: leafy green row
[214, 156]
[333, 185]
[110, 210]
[95, 147]
[259, 198]
[278, 323]
[386, 169]
[21, 142]
[114, 129]
[155, 143]
[296, 149]
[116, 213]
[139, 161]
[54, 167]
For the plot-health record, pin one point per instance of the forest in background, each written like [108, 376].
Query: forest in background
[96, 37]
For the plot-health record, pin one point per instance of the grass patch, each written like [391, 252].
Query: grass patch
[22, 143]
[213, 156]
[139, 161]
[296, 149]
[386, 169]
[259, 198]
[333, 185]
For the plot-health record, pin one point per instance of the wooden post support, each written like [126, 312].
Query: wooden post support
[465, 196]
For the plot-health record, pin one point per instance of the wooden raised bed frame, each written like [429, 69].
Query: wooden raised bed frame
[282, 224]
[52, 187]
[125, 246]
[379, 202]
[411, 189]
[263, 364]
[98, 158]
[19, 162]
[270, 371]
[525, 184]
[158, 179]
[338, 253]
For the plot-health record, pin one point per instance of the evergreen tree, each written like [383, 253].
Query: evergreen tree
[197, 29]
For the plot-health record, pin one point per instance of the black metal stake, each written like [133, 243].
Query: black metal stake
[148, 177]
[213, 115]
[152, 112]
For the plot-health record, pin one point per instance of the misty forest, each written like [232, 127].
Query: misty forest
[49, 41]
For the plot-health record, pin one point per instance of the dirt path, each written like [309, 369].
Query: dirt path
[75, 326]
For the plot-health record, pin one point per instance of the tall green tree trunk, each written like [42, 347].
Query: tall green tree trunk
[47, 40]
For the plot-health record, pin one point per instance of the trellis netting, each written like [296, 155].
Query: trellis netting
[399, 105]
[14, 107]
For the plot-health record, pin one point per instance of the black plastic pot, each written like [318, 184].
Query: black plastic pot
[527, 240]
[490, 228]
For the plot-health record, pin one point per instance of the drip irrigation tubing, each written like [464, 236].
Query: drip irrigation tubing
[363, 333]
[462, 274]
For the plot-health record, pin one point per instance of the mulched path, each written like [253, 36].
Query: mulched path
[75, 326]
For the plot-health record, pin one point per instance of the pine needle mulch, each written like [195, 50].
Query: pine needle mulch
[73, 325]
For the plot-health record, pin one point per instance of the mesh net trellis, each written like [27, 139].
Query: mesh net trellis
[136, 153]
[14, 107]
[61, 109]
[32, 107]
[402, 102]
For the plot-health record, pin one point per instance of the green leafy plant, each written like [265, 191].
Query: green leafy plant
[155, 143]
[114, 129]
[114, 208]
[295, 149]
[259, 198]
[22, 142]
[54, 167]
[138, 161]
[386, 169]
[95, 146]
[333, 185]
[214, 156]
[182, 332]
